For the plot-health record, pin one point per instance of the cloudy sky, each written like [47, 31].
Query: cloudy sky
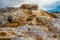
[48, 5]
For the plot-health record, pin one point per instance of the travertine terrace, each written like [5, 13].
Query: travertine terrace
[27, 22]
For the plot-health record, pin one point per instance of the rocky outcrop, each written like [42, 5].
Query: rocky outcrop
[27, 23]
[29, 6]
[26, 14]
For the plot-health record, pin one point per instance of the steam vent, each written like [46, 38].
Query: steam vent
[27, 22]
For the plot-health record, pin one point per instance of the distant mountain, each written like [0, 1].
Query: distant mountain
[56, 9]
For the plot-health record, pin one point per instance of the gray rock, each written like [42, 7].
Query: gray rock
[1, 20]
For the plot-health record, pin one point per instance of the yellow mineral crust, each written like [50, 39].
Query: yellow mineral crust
[3, 33]
[5, 39]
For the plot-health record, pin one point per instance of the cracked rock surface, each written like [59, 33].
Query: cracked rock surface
[28, 23]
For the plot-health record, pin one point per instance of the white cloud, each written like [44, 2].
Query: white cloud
[41, 3]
